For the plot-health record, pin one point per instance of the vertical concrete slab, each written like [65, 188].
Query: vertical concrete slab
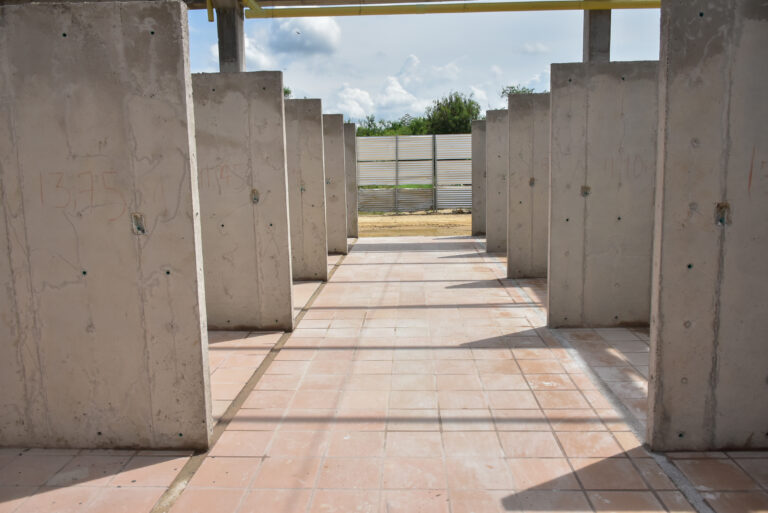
[602, 167]
[709, 356]
[306, 189]
[335, 183]
[528, 222]
[102, 312]
[350, 164]
[597, 36]
[478, 177]
[497, 169]
[244, 200]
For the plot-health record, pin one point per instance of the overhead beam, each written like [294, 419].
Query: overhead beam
[254, 10]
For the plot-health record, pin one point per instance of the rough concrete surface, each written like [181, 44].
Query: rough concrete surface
[335, 183]
[306, 189]
[709, 357]
[478, 177]
[350, 164]
[244, 200]
[528, 201]
[603, 161]
[102, 310]
[496, 189]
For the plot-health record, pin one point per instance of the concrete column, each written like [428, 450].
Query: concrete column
[335, 183]
[528, 212]
[102, 317]
[497, 169]
[603, 161]
[229, 26]
[708, 383]
[597, 36]
[244, 200]
[306, 189]
[478, 177]
[350, 164]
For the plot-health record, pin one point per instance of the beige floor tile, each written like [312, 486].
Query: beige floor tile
[542, 474]
[530, 444]
[225, 472]
[287, 473]
[607, 474]
[414, 473]
[716, 475]
[414, 444]
[275, 501]
[350, 473]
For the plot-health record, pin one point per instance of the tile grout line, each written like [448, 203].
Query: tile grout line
[179, 484]
[675, 475]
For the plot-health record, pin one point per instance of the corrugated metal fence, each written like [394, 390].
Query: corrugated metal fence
[414, 172]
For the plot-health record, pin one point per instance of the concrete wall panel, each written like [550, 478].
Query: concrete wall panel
[603, 160]
[478, 177]
[497, 169]
[306, 189]
[528, 222]
[709, 355]
[102, 312]
[350, 164]
[335, 183]
[244, 200]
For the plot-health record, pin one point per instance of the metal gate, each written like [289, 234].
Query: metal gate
[414, 172]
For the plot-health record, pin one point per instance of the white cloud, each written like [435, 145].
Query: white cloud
[355, 103]
[480, 95]
[256, 56]
[308, 36]
[448, 72]
[535, 48]
[496, 71]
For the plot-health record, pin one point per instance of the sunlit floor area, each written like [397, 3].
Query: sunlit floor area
[418, 380]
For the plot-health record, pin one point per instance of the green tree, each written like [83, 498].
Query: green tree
[515, 89]
[452, 114]
[287, 92]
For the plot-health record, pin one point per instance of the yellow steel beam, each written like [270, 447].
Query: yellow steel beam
[209, 7]
[253, 10]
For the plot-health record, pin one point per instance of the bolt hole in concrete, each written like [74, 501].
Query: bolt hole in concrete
[690, 266]
[152, 32]
[64, 34]
[618, 218]
[85, 272]
[167, 272]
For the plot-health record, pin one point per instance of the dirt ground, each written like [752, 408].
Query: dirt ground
[443, 222]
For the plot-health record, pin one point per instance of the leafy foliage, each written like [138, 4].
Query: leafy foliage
[287, 92]
[406, 125]
[452, 114]
[514, 90]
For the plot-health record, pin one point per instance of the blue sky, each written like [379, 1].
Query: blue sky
[392, 65]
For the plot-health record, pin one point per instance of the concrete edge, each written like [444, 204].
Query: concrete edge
[187, 472]
[673, 473]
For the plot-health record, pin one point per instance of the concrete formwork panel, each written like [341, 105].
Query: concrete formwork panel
[528, 210]
[497, 169]
[244, 200]
[709, 356]
[102, 312]
[335, 183]
[350, 164]
[603, 160]
[478, 177]
[306, 189]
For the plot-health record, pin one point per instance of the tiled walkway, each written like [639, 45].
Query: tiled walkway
[418, 381]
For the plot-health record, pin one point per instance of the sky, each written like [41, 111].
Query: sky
[388, 66]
